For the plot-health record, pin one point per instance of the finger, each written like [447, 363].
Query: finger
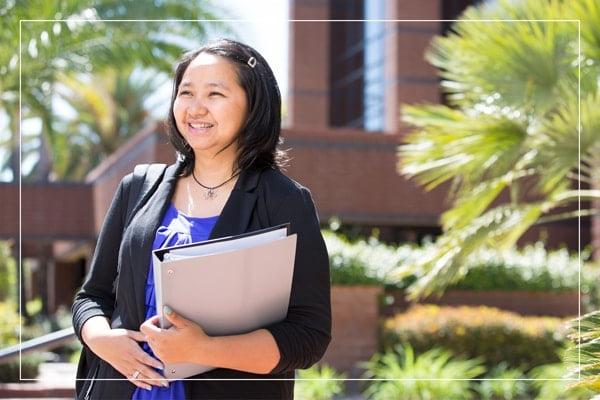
[147, 359]
[140, 384]
[152, 377]
[177, 320]
[149, 329]
[155, 321]
[129, 376]
[137, 382]
[137, 336]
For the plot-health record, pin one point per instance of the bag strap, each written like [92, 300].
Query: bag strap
[144, 179]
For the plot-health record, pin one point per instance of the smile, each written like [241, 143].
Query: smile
[201, 125]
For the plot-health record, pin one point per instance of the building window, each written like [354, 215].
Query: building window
[346, 74]
[374, 66]
[357, 66]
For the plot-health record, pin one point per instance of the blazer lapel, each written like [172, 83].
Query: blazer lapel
[145, 224]
[234, 220]
[236, 214]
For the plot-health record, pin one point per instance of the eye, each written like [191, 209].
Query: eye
[184, 92]
[215, 94]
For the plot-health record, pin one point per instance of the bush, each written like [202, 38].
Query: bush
[9, 324]
[549, 385]
[471, 332]
[400, 369]
[502, 383]
[30, 368]
[530, 268]
[320, 386]
[8, 267]
[9, 335]
[368, 261]
[44, 324]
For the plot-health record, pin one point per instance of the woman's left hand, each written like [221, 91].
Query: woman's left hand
[182, 342]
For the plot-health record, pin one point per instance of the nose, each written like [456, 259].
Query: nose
[197, 107]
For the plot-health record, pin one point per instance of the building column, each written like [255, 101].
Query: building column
[409, 78]
[308, 96]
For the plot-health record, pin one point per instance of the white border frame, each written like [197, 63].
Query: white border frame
[318, 20]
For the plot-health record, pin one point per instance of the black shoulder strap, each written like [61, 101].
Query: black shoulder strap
[145, 177]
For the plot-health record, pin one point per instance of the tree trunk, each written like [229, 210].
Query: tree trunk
[43, 281]
[44, 164]
[15, 165]
[22, 299]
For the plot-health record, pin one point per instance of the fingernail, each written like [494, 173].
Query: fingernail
[165, 384]
[148, 388]
[167, 310]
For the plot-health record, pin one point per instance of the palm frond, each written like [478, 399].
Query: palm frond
[445, 264]
[449, 143]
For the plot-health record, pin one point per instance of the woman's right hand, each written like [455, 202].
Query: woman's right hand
[120, 348]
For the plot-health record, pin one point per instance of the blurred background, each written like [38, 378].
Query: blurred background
[452, 148]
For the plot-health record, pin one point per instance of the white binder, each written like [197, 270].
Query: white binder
[228, 286]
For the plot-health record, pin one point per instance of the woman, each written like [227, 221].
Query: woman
[224, 122]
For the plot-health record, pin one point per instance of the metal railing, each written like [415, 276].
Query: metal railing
[45, 342]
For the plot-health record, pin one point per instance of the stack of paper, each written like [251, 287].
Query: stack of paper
[228, 286]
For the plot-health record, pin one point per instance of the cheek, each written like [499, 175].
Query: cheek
[178, 112]
[241, 112]
[177, 109]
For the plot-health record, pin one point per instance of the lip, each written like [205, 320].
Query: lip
[199, 130]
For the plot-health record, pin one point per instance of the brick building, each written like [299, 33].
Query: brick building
[347, 82]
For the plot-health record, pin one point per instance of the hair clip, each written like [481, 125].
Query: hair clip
[252, 62]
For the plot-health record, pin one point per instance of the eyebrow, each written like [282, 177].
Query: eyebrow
[211, 84]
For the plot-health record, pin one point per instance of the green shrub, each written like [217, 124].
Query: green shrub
[44, 324]
[530, 268]
[9, 335]
[549, 386]
[366, 261]
[321, 383]
[9, 324]
[503, 382]
[401, 368]
[369, 261]
[30, 368]
[471, 332]
[8, 267]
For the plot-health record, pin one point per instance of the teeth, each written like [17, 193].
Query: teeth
[201, 125]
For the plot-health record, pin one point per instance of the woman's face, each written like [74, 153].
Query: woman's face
[211, 106]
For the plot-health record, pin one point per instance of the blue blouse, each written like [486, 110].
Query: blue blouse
[176, 228]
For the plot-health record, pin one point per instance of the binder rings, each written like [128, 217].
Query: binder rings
[228, 286]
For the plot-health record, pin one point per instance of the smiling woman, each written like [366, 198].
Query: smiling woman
[210, 106]
[224, 123]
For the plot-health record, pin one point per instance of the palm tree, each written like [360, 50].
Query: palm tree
[39, 57]
[74, 46]
[510, 127]
[108, 109]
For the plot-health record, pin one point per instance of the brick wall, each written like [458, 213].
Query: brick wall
[53, 210]
[355, 327]
[309, 64]
[351, 175]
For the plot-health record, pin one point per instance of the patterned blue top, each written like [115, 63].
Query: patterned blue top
[176, 228]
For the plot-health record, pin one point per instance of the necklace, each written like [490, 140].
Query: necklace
[211, 194]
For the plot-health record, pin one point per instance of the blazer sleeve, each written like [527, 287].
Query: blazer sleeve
[97, 296]
[304, 335]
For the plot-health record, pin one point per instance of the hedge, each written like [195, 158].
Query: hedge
[496, 335]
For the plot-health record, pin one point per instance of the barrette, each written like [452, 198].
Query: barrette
[252, 62]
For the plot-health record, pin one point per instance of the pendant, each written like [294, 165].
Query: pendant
[210, 194]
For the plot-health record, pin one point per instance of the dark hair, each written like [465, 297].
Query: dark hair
[258, 138]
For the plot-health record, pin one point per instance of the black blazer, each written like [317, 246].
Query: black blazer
[115, 285]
